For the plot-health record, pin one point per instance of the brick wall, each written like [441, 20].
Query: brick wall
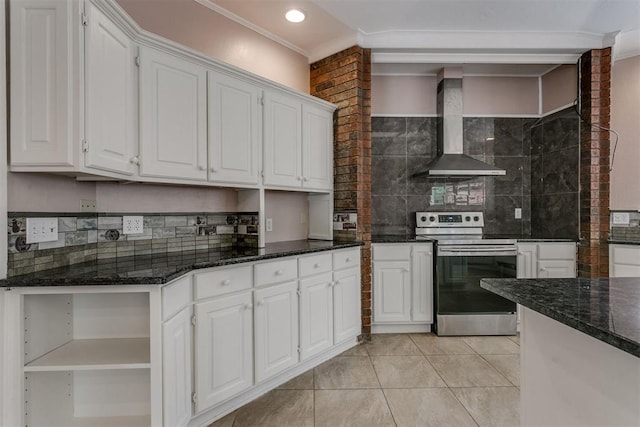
[595, 91]
[345, 79]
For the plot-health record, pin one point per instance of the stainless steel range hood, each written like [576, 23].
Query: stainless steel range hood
[451, 161]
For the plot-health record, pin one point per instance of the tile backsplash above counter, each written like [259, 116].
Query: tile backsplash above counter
[90, 236]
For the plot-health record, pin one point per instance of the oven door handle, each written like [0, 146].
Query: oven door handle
[485, 251]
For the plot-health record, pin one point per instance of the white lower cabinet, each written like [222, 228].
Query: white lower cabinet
[224, 348]
[316, 314]
[402, 287]
[176, 369]
[624, 260]
[346, 304]
[276, 329]
[546, 260]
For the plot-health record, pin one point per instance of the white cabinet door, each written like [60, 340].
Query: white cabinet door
[173, 117]
[276, 329]
[282, 141]
[45, 76]
[556, 269]
[176, 369]
[223, 349]
[624, 261]
[346, 304]
[422, 283]
[526, 261]
[391, 291]
[316, 315]
[317, 148]
[234, 130]
[111, 108]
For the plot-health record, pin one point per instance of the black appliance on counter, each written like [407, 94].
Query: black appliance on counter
[463, 257]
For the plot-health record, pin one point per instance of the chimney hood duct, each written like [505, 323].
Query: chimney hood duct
[450, 160]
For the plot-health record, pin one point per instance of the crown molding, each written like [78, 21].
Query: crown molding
[232, 16]
[471, 57]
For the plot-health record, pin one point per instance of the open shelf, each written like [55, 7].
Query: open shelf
[95, 354]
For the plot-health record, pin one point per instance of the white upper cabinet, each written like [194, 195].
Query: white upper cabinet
[317, 148]
[234, 130]
[282, 141]
[111, 109]
[173, 117]
[45, 77]
[298, 144]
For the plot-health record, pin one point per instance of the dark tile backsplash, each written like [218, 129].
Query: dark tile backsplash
[90, 236]
[402, 146]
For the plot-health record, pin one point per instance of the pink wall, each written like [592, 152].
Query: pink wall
[559, 88]
[41, 192]
[497, 96]
[206, 31]
[286, 209]
[484, 96]
[625, 119]
[403, 95]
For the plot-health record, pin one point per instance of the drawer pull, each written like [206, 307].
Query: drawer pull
[248, 306]
[348, 259]
[331, 284]
[316, 265]
[279, 272]
[337, 282]
[225, 282]
[260, 303]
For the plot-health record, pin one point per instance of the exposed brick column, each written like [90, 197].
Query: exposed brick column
[345, 79]
[595, 91]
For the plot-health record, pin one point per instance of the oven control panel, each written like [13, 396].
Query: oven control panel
[449, 219]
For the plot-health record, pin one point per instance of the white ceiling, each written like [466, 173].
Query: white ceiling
[418, 36]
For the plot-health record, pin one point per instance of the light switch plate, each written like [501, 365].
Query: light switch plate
[42, 230]
[132, 225]
[269, 224]
[620, 218]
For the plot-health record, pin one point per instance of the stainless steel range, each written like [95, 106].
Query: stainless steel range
[463, 257]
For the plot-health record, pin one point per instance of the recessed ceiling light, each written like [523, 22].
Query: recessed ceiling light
[294, 15]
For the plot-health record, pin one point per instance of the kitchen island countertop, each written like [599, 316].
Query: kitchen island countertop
[607, 309]
[163, 267]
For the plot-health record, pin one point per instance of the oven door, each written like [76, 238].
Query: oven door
[459, 270]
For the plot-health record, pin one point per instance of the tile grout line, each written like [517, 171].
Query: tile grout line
[381, 389]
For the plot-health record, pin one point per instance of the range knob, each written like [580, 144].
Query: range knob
[432, 218]
[467, 218]
[476, 218]
[423, 218]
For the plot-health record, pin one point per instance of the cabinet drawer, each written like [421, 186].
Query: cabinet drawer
[176, 296]
[391, 252]
[276, 271]
[555, 251]
[625, 254]
[223, 281]
[344, 259]
[314, 264]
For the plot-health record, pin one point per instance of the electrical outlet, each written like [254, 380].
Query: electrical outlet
[269, 224]
[518, 213]
[87, 205]
[42, 230]
[132, 225]
[620, 218]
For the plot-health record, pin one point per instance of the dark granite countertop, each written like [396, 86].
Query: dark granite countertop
[162, 268]
[624, 242]
[411, 238]
[607, 309]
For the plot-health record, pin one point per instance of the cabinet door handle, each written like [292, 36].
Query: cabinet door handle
[248, 306]
[278, 272]
[202, 168]
[214, 170]
[331, 284]
[304, 178]
[543, 269]
[316, 265]
[337, 282]
[299, 178]
[348, 259]
[225, 282]
[135, 160]
[260, 303]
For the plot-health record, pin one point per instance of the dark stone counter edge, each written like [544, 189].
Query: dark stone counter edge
[624, 242]
[18, 281]
[608, 337]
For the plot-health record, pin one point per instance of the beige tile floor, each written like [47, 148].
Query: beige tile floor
[399, 380]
